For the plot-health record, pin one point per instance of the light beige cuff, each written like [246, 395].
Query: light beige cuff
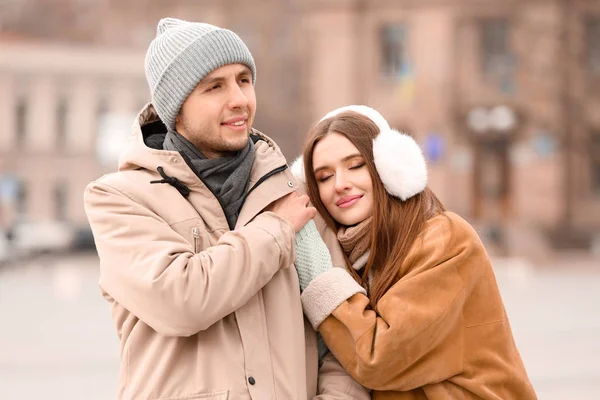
[326, 292]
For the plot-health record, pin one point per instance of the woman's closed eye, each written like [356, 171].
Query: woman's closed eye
[323, 178]
[357, 165]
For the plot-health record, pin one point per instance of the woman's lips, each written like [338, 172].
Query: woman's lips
[348, 201]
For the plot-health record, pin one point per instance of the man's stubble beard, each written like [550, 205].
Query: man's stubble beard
[206, 140]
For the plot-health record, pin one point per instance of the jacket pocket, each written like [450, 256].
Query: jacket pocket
[220, 395]
[200, 239]
[195, 232]
[196, 236]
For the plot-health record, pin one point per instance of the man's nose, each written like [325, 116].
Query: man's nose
[237, 98]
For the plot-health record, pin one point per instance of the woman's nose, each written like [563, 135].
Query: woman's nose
[341, 182]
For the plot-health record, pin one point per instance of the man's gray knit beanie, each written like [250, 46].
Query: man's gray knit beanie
[181, 54]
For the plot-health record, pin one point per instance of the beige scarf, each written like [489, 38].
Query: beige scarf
[355, 241]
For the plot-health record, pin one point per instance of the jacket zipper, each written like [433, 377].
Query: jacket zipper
[196, 233]
[261, 180]
[264, 178]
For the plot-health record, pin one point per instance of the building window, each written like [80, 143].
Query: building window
[102, 110]
[495, 49]
[102, 106]
[21, 207]
[61, 123]
[592, 29]
[393, 49]
[595, 162]
[61, 200]
[21, 121]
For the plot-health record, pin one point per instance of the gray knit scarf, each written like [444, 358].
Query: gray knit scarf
[226, 177]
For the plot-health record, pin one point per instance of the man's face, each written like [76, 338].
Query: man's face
[218, 115]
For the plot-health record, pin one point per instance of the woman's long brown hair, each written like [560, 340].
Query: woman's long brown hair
[396, 223]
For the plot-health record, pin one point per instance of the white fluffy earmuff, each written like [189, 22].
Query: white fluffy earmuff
[398, 158]
[297, 169]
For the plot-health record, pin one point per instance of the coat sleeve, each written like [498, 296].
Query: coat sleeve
[336, 384]
[415, 335]
[153, 272]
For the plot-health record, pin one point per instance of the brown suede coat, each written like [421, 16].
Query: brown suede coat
[441, 332]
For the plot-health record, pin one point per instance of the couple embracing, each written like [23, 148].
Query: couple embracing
[226, 281]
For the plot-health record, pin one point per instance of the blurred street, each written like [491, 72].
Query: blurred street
[57, 340]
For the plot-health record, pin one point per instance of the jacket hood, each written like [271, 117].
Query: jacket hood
[143, 149]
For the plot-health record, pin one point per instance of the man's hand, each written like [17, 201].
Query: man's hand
[294, 208]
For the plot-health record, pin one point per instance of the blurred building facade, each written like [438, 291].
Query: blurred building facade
[57, 103]
[503, 96]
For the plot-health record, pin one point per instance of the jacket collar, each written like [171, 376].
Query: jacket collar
[138, 155]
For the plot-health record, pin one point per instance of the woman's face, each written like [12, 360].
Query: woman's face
[343, 179]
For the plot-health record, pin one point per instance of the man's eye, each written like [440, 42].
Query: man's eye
[213, 87]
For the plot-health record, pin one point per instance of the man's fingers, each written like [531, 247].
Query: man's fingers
[311, 212]
[304, 199]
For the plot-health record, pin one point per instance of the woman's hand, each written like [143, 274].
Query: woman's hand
[312, 255]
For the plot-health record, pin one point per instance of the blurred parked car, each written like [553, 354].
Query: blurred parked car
[33, 237]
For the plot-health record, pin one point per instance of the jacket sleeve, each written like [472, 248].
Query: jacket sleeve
[415, 335]
[154, 273]
[336, 384]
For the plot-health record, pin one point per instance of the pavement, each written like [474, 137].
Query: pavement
[57, 339]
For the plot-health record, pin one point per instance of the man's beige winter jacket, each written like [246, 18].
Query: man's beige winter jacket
[203, 312]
